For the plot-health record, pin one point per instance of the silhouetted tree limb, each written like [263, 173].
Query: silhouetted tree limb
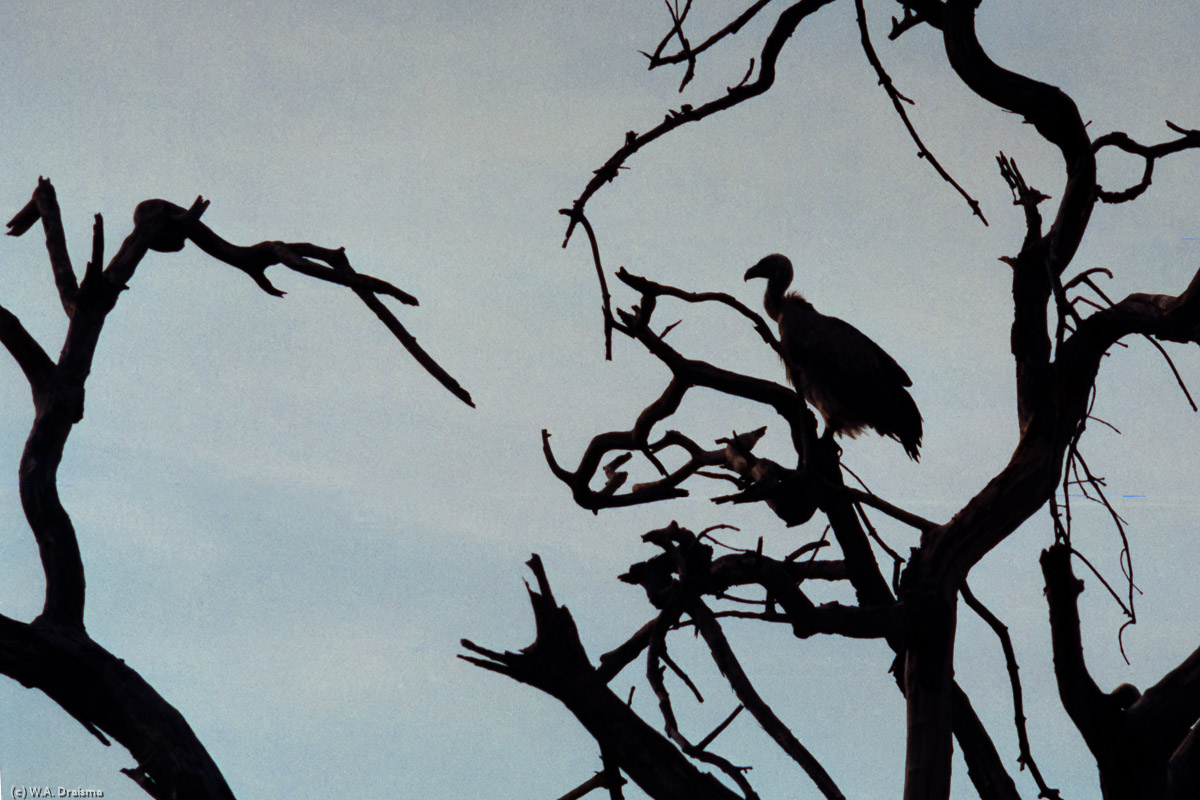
[1135, 737]
[44, 206]
[784, 28]
[898, 101]
[557, 664]
[29, 355]
[1050, 110]
[601, 780]
[688, 53]
[673, 606]
[691, 563]
[664, 577]
[1189, 140]
[1010, 660]
[984, 768]
[577, 215]
[105, 695]
[1183, 771]
[301, 257]
[895, 512]
[1052, 397]
[710, 629]
[54, 653]
[648, 288]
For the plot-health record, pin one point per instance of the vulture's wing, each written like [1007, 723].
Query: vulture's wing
[830, 345]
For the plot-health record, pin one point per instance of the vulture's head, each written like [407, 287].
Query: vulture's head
[775, 268]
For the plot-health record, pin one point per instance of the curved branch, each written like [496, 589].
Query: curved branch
[784, 28]
[1049, 109]
[106, 696]
[1188, 141]
[605, 299]
[1165, 317]
[607, 497]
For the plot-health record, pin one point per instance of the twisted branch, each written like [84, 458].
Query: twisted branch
[1189, 140]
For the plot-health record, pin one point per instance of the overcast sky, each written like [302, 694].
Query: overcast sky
[287, 525]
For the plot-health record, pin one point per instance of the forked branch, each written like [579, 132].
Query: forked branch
[557, 664]
[784, 28]
[1189, 140]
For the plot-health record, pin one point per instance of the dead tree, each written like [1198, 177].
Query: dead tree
[54, 652]
[1063, 324]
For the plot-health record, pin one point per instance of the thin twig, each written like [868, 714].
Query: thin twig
[605, 299]
[897, 559]
[776, 39]
[724, 657]
[1086, 278]
[689, 55]
[707, 740]
[1010, 659]
[898, 101]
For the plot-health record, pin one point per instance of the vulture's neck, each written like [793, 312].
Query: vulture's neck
[776, 286]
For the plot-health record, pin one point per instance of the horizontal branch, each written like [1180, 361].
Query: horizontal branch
[649, 288]
[163, 226]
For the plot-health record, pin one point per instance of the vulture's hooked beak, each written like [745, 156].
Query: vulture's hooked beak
[757, 271]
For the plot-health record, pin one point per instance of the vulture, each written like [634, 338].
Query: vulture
[837, 369]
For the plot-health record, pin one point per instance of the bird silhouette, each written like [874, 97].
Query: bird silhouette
[836, 368]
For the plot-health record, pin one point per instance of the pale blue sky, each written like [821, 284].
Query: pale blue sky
[288, 526]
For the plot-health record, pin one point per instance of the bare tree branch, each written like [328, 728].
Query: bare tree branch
[731, 668]
[1188, 141]
[557, 664]
[44, 206]
[39, 369]
[605, 300]
[688, 53]
[54, 653]
[784, 28]
[898, 101]
[1010, 660]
